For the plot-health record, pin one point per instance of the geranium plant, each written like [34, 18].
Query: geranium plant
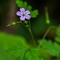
[25, 13]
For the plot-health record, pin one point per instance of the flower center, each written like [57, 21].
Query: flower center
[23, 14]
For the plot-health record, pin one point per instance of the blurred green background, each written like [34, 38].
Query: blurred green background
[39, 26]
[8, 9]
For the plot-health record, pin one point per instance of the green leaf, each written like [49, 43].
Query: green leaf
[25, 5]
[57, 39]
[58, 31]
[12, 45]
[41, 59]
[46, 44]
[51, 48]
[29, 8]
[32, 54]
[23, 56]
[4, 55]
[52, 52]
[20, 3]
[42, 42]
[57, 47]
[34, 13]
[55, 51]
[43, 54]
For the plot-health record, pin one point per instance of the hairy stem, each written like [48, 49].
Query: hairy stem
[31, 34]
[46, 35]
[29, 29]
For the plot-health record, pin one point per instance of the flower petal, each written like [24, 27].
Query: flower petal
[27, 12]
[22, 18]
[22, 10]
[27, 17]
[18, 13]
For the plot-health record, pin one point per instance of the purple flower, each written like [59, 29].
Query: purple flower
[23, 14]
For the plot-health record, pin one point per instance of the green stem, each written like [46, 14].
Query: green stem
[31, 34]
[45, 35]
[22, 24]
[29, 29]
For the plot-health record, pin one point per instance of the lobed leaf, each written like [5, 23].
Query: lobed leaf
[57, 39]
[29, 8]
[51, 48]
[34, 13]
[25, 5]
[12, 46]
[58, 31]
[20, 3]
[32, 54]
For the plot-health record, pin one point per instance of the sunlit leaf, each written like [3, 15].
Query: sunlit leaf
[12, 45]
[4, 55]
